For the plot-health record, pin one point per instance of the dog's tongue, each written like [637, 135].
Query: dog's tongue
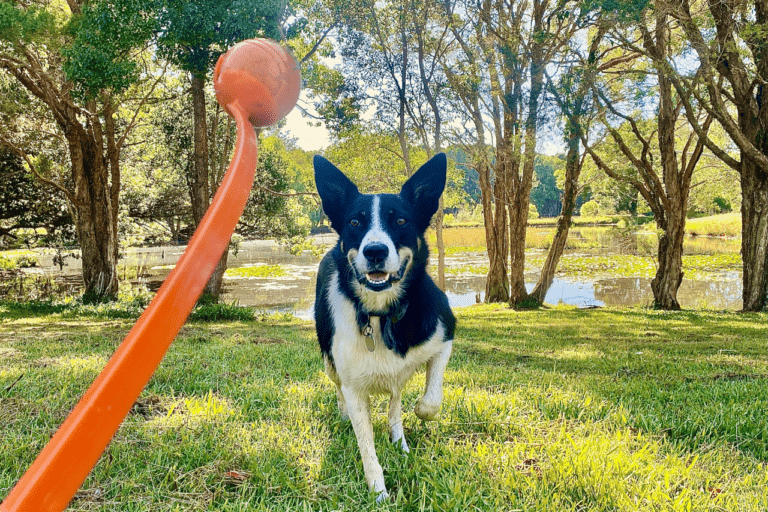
[377, 276]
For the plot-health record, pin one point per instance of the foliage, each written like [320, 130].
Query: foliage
[192, 35]
[546, 192]
[25, 204]
[373, 162]
[105, 39]
[590, 209]
[269, 212]
[16, 262]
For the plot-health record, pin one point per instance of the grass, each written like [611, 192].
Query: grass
[700, 267]
[258, 271]
[593, 233]
[726, 224]
[12, 262]
[545, 410]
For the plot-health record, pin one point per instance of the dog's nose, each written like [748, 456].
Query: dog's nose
[376, 253]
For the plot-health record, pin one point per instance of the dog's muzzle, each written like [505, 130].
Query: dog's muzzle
[379, 280]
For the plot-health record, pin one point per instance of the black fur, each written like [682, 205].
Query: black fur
[412, 320]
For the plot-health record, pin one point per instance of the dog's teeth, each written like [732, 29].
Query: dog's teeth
[377, 277]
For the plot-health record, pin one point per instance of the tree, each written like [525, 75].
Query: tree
[192, 35]
[728, 40]
[498, 74]
[573, 96]
[74, 89]
[661, 170]
[545, 194]
[26, 204]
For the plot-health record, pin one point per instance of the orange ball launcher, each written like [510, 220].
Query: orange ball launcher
[258, 83]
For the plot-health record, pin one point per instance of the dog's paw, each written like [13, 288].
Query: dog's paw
[399, 440]
[427, 410]
[382, 497]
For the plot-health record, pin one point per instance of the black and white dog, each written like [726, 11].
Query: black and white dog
[379, 316]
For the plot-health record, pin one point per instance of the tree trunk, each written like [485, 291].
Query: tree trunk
[572, 172]
[754, 235]
[495, 216]
[669, 274]
[93, 220]
[518, 226]
[520, 195]
[201, 192]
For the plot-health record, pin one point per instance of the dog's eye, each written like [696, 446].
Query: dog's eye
[354, 223]
[401, 222]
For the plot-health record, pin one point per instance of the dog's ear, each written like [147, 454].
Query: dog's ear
[335, 189]
[424, 188]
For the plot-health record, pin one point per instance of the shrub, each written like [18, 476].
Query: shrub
[590, 209]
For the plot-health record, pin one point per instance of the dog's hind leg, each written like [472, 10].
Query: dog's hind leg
[359, 408]
[396, 421]
[330, 371]
[429, 405]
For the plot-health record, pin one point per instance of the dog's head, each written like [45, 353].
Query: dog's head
[382, 235]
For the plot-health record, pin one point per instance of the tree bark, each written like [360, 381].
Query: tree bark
[94, 221]
[754, 236]
[496, 228]
[201, 192]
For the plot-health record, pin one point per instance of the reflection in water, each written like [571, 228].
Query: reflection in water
[631, 291]
[295, 291]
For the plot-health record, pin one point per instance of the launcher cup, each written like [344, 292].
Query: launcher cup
[257, 82]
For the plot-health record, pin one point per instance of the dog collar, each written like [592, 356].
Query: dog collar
[364, 320]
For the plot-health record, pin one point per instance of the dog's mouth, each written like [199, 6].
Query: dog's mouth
[378, 280]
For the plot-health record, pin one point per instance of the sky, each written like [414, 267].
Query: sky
[316, 138]
[309, 138]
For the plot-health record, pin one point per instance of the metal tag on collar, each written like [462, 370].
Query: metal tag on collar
[370, 341]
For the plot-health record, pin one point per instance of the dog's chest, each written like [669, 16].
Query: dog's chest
[378, 371]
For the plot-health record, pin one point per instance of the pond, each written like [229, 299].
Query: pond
[291, 286]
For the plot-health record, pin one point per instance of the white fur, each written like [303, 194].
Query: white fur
[376, 234]
[359, 373]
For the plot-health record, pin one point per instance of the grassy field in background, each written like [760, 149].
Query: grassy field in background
[546, 410]
[726, 224]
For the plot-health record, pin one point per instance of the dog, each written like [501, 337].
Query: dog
[378, 314]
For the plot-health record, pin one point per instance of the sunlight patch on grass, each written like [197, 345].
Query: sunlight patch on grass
[73, 364]
[257, 272]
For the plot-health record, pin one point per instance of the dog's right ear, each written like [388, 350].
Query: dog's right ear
[336, 191]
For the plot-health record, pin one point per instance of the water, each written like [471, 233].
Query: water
[295, 291]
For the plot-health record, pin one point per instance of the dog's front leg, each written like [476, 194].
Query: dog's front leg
[358, 408]
[429, 405]
[396, 421]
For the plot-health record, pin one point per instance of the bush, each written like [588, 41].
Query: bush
[533, 213]
[590, 209]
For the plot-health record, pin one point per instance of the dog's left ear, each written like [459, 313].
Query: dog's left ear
[424, 188]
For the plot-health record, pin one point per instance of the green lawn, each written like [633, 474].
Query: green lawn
[545, 410]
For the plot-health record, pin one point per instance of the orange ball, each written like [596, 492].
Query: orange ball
[260, 78]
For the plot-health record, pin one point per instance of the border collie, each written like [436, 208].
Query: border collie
[379, 316]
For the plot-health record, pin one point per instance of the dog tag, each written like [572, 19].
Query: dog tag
[370, 342]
